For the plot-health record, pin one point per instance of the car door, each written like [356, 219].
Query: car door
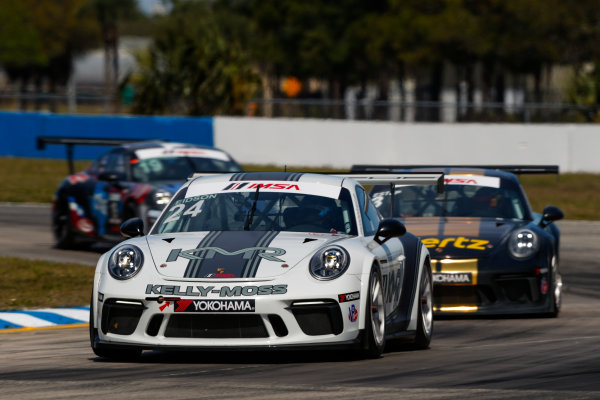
[390, 254]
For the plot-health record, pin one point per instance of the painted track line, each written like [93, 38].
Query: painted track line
[43, 318]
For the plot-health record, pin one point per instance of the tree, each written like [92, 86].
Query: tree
[39, 39]
[193, 69]
[109, 13]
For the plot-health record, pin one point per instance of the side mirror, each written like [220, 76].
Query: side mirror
[551, 214]
[389, 228]
[133, 227]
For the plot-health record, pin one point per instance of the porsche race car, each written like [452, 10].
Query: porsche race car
[490, 253]
[265, 260]
[132, 180]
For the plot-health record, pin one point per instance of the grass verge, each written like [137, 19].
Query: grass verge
[35, 180]
[34, 284]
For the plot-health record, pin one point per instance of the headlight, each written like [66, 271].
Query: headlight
[162, 198]
[125, 262]
[523, 243]
[329, 263]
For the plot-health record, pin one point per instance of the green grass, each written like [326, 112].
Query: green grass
[35, 180]
[577, 195]
[32, 180]
[34, 284]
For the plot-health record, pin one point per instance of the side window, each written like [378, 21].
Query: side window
[102, 163]
[370, 219]
[372, 213]
[116, 162]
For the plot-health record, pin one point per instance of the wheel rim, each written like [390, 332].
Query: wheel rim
[557, 285]
[377, 311]
[426, 299]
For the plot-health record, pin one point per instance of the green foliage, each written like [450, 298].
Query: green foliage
[193, 69]
[584, 90]
[34, 33]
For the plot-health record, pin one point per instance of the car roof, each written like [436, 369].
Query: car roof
[150, 144]
[275, 176]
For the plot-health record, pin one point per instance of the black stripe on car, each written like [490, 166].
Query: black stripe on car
[193, 265]
[252, 266]
[225, 262]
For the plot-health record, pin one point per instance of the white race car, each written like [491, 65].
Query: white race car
[265, 260]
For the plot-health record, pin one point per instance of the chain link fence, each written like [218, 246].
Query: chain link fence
[93, 102]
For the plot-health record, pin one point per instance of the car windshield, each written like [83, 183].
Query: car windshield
[176, 168]
[260, 211]
[456, 201]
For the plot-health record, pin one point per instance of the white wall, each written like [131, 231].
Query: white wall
[338, 143]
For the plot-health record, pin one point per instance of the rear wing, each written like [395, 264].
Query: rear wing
[70, 142]
[392, 179]
[515, 169]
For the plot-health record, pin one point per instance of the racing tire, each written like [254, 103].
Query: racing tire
[110, 352]
[61, 227]
[425, 311]
[374, 339]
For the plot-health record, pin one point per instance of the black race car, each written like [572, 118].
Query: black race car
[132, 180]
[490, 253]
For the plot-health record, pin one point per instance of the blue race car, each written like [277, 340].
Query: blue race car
[132, 180]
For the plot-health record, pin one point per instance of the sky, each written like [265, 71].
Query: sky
[153, 6]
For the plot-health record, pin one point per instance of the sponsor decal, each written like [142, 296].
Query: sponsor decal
[78, 178]
[489, 181]
[214, 306]
[85, 225]
[453, 278]
[342, 298]
[195, 199]
[268, 253]
[459, 242]
[263, 186]
[224, 291]
[544, 286]
[352, 313]
[219, 276]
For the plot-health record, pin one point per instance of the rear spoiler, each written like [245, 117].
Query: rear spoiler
[70, 142]
[404, 178]
[515, 169]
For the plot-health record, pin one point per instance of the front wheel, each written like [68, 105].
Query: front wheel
[425, 315]
[61, 227]
[555, 290]
[374, 340]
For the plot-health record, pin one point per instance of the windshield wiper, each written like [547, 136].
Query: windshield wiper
[250, 216]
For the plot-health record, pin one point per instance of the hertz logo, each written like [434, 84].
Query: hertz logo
[457, 242]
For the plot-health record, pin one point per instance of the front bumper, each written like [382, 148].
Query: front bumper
[465, 287]
[293, 319]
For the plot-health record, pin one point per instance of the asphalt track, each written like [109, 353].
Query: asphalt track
[494, 358]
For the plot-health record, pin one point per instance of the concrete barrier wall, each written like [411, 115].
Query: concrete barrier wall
[316, 143]
[295, 142]
[18, 132]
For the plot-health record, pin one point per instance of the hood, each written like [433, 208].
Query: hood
[233, 254]
[461, 237]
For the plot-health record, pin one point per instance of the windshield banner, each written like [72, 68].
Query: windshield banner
[310, 188]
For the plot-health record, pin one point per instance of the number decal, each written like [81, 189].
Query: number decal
[195, 209]
[176, 213]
